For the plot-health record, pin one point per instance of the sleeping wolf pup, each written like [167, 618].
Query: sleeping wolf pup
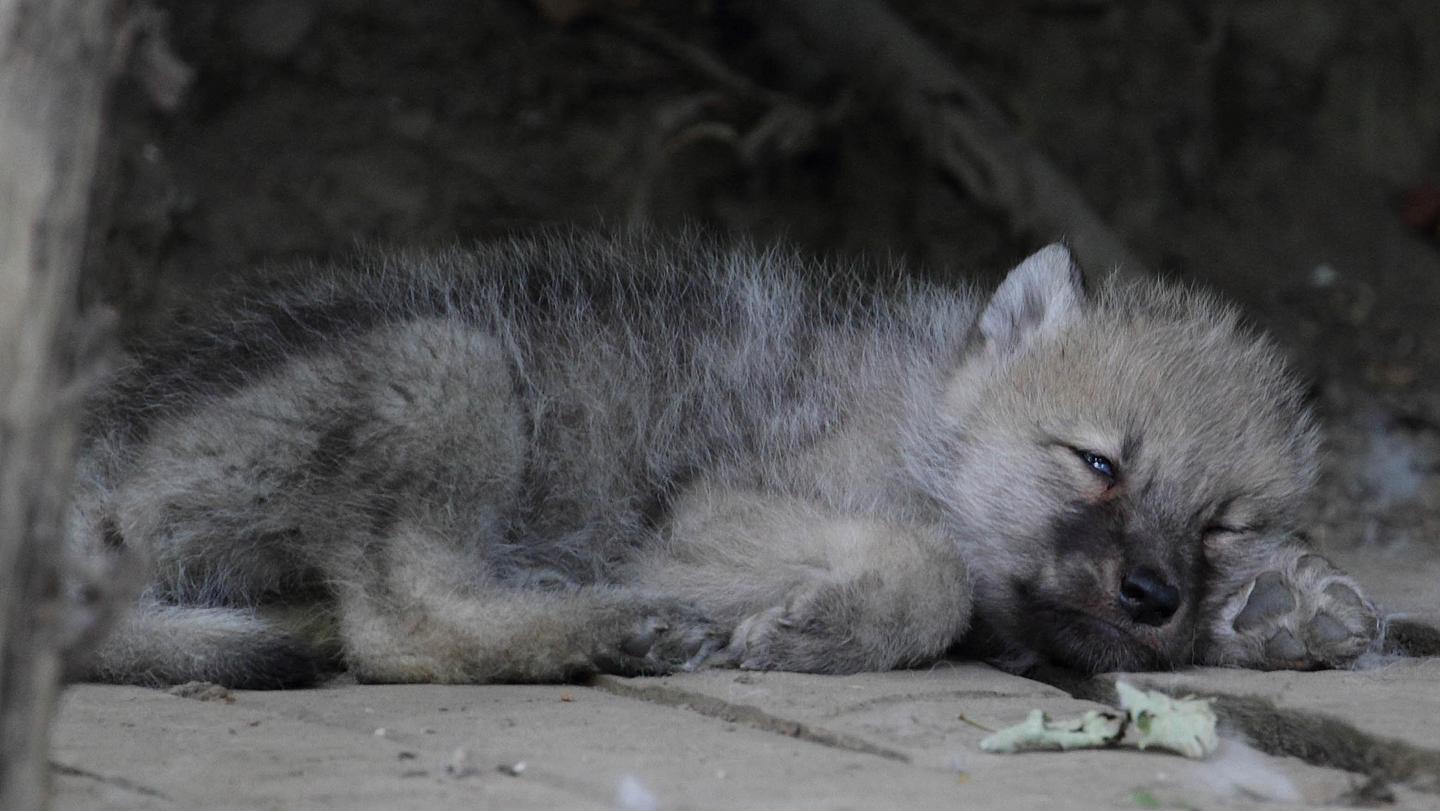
[572, 453]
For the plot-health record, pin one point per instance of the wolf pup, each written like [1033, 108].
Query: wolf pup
[574, 453]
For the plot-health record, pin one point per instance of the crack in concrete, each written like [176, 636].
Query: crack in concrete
[930, 698]
[745, 714]
[1314, 737]
[119, 782]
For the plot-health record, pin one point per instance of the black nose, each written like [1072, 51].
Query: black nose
[1148, 598]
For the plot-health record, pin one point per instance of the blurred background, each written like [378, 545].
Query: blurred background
[1285, 152]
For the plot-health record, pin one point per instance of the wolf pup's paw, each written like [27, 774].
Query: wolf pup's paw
[668, 636]
[817, 630]
[1303, 615]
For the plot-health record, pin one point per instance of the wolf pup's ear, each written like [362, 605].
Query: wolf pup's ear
[1040, 296]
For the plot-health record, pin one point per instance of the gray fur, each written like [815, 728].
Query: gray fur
[574, 452]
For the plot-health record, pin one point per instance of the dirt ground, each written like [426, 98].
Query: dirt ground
[1262, 148]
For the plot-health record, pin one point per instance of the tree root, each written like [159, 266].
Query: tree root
[968, 138]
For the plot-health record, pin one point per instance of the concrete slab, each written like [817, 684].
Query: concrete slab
[930, 717]
[1398, 700]
[1404, 581]
[321, 749]
[714, 739]
[136, 748]
[591, 744]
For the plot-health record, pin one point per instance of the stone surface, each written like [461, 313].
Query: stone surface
[732, 739]
[1397, 699]
[933, 718]
[1404, 581]
[713, 739]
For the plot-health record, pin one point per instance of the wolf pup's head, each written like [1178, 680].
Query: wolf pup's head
[1095, 446]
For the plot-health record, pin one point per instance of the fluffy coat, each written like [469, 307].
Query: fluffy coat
[573, 452]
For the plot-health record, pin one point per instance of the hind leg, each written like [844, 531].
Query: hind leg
[418, 595]
[381, 477]
[1279, 606]
[415, 616]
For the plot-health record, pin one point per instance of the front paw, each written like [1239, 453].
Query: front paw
[667, 636]
[1303, 615]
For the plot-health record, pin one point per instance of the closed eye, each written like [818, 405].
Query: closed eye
[1226, 529]
[1099, 464]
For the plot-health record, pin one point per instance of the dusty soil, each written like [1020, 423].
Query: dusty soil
[1264, 149]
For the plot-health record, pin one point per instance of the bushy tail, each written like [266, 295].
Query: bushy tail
[156, 644]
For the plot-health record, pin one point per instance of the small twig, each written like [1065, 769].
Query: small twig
[696, 59]
[787, 126]
[975, 724]
[970, 140]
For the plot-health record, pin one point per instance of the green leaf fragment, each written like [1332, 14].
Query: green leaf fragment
[1185, 726]
[1142, 722]
[1091, 730]
[1145, 799]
